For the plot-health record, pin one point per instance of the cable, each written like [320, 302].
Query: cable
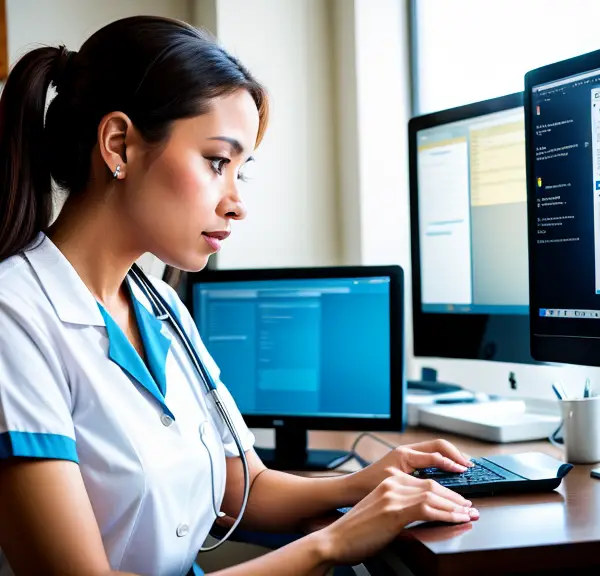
[371, 435]
[553, 438]
[353, 454]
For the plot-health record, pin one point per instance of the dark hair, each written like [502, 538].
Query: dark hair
[155, 70]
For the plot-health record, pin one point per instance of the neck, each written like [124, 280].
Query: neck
[98, 245]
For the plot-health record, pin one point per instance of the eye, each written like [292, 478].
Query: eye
[246, 171]
[218, 163]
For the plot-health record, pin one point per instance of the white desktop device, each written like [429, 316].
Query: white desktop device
[496, 421]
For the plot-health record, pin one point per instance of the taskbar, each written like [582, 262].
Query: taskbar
[569, 313]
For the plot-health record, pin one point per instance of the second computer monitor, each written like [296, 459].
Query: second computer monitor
[469, 232]
[300, 349]
[563, 160]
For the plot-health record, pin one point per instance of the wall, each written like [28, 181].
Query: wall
[70, 22]
[292, 201]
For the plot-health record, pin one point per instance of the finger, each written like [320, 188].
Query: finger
[446, 493]
[435, 515]
[432, 459]
[449, 450]
[440, 503]
[429, 484]
[445, 448]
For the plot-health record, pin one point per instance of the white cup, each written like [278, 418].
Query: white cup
[581, 430]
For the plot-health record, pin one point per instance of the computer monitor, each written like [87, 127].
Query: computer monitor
[300, 349]
[469, 232]
[562, 107]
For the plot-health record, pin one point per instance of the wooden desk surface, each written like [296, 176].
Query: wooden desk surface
[545, 533]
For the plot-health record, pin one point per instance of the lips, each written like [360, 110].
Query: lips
[214, 239]
[217, 234]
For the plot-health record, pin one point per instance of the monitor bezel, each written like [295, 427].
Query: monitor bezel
[397, 418]
[551, 347]
[435, 334]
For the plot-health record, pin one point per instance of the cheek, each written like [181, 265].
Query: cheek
[183, 191]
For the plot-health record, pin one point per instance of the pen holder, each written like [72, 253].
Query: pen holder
[581, 430]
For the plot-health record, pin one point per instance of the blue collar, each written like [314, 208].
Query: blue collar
[151, 376]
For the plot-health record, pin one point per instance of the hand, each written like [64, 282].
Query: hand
[377, 519]
[434, 453]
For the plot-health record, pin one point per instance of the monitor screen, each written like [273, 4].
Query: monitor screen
[473, 215]
[311, 347]
[564, 195]
[468, 207]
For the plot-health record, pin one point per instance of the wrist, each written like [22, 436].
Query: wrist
[322, 548]
[357, 485]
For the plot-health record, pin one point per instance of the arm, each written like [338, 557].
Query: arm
[396, 502]
[307, 557]
[47, 525]
[279, 501]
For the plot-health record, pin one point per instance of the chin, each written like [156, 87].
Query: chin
[194, 264]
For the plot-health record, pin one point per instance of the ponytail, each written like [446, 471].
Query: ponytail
[155, 70]
[25, 183]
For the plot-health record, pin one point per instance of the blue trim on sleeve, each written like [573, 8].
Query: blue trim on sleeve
[37, 445]
[196, 570]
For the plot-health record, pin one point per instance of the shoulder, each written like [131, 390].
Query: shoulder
[16, 277]
[21, 294]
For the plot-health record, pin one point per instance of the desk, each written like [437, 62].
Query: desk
[550, 533]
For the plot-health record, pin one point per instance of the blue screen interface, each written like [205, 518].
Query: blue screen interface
[300, 347]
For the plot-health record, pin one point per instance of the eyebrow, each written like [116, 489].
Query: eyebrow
[235, 144]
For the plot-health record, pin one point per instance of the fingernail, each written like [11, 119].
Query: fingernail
[471, 464]
[468, 503]
[460, 467]
[473, 512]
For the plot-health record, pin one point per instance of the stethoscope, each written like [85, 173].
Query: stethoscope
[163, 311]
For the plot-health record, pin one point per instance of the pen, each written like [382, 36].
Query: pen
[558, 390]
[586, 388]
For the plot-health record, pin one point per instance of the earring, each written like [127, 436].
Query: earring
[117, 171]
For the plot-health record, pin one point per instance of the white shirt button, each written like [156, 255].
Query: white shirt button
[183, 530]
[166, 420]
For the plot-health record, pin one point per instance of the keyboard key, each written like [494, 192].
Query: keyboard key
[479, 474]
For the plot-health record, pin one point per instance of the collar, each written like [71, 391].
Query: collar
[70, 297]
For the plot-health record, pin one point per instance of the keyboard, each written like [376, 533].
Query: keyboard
[479, 474]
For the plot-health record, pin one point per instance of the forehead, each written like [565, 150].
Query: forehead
[233, 116]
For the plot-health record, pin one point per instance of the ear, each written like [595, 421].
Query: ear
[114, 131]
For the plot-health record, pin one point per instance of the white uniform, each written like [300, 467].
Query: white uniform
[70, 388]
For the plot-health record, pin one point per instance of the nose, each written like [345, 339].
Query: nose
[231, 206]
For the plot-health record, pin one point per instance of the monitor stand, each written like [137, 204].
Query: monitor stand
[291, 453]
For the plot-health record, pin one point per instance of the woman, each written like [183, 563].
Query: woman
[110, 447]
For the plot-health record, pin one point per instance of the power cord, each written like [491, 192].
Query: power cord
[554, 439]
[353, 454]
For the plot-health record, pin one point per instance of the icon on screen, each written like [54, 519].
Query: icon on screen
[537, 110]
[539, 181]
[597, 184]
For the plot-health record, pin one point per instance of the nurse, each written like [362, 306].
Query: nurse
[113, 458]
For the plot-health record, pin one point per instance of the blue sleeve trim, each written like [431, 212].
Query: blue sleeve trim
[37, 445]
[196, 570]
